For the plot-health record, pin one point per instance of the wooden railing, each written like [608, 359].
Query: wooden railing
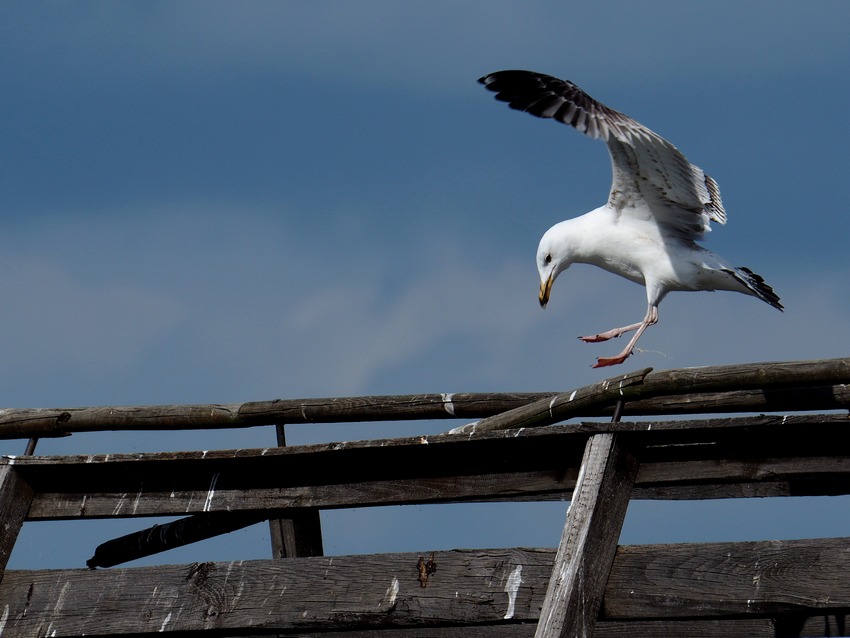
[589, 585]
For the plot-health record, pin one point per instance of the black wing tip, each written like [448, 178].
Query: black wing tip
[762, 289]
[513, 75]
[548, 97]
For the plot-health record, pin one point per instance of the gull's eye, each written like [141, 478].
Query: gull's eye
[547, 260]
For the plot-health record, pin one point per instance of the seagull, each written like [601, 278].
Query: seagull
[659, 207]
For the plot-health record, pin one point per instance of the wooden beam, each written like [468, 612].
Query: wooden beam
[15, 499]
[299, 594]
[590, 537]
[727, 579]
[161, 538]
[659, 591]
[57, 422]
[788, 399]
[681, 480]
[560, 407]
[714, 458]
[769, 379]
[814, 385]
[748, 478]
[739, 628]
[280, 502]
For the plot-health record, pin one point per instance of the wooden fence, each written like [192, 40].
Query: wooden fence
[588, 585]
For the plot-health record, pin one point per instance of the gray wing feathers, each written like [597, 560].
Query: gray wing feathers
[645, 165]
[549, 97]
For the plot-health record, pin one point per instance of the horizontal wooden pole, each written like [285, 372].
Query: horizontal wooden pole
[768, 379]
[551, 410]
[773, 386]
[57, 422]
[788, 399]
[663, 588]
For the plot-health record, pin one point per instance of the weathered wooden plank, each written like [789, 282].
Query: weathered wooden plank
[503, 630]
[724, 579]
[716, 458]
[703, 628]
[706, 479]
[710, 628]
[758, 386]
[746, 478]
[467, 588]
[589, 540]
[15, 499]
[653, 590]
[656, 433]
[145, 502]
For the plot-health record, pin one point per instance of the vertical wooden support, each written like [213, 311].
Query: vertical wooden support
[15, 499]
[589, 542]
[301, 533]
[31, 447]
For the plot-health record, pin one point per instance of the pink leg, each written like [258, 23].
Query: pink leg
[650, 319]
[611, 334]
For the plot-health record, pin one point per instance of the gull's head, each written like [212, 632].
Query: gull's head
[554, 255]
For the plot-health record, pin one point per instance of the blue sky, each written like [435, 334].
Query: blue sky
[224, 202]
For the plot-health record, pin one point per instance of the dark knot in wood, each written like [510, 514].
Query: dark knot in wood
[426, 568]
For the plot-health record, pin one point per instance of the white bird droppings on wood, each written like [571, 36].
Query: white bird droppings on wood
[511, 589]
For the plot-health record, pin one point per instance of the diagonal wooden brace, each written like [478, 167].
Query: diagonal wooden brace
[590, 537]
[15, 499]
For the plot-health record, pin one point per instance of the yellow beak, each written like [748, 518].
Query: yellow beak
[545, 289]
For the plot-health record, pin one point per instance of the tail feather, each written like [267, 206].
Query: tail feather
[760, 288]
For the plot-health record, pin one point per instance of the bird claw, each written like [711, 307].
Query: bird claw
[602, 362]
[610, 334]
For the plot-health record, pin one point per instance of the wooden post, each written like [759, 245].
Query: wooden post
[590, 538]
[301, 533]
[15, 499]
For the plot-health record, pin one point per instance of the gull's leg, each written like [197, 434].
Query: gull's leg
[650, 319]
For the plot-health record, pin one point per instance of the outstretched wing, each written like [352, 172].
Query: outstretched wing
[645, 165]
